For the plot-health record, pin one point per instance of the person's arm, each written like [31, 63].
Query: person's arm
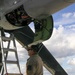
[31, 68]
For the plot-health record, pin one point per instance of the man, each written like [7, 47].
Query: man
[34, 63]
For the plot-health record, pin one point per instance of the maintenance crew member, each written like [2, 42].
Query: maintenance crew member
[34, 63]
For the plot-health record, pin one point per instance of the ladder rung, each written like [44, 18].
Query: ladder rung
[13, 74]
[7, 38]
[6, 49]
[11, 62]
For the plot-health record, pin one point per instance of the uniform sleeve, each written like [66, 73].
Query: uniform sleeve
[31, 68]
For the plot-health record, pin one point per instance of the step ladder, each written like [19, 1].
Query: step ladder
[5, 51]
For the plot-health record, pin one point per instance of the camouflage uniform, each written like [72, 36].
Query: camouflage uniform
[34, 65]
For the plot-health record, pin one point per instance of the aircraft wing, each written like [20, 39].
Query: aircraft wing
[25, 36]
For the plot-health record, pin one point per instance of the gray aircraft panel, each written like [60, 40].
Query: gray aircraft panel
[25, 36]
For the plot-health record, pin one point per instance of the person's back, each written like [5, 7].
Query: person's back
[39, 65]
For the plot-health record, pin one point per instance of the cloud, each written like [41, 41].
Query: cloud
[74, 14]
[71, 70]
[70, 28]
[65, 18]
[13, 68]
[62, 47]
[61, 43]
[46, 72]
[67, 15]
[31, 25]
[71, 61]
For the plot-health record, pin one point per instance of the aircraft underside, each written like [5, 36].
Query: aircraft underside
[17, 13]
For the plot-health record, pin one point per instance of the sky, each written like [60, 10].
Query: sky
[61, 44]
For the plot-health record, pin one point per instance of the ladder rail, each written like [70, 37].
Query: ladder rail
[7, 51]
[3, 56]
[16, 54]
[2, 71]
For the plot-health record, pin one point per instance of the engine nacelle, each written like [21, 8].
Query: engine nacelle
[18, 17]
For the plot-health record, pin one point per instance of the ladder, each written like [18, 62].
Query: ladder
[5, 51]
